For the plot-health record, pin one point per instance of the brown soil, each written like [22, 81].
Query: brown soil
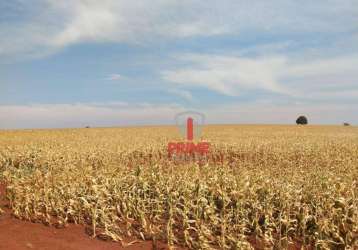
[17, 234]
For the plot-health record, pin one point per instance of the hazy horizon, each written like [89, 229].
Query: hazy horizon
[174, 125]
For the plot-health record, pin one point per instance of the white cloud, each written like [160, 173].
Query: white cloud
[45, 26]
[228, 75]
[231, 75]
[88, 20]
[113, 77]
[326, 78]
[346, 64]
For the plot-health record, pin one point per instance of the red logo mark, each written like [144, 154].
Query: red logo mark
[190, 123]
[190, 129]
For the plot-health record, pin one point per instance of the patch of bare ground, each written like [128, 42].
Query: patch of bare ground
[17, 234]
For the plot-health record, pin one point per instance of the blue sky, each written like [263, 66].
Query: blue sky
[108, 63]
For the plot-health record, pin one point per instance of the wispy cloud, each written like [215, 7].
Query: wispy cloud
[232, 75]
[228, 75]
[51, 25]
[113, 77]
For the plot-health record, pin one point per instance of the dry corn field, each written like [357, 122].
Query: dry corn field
[264, 187]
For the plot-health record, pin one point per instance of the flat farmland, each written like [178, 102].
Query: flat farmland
[260, 186]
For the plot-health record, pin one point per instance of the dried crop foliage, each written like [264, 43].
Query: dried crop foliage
[273, 186]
